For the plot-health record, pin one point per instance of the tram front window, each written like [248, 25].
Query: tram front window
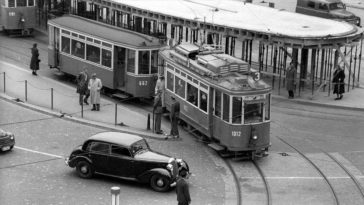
[30, 2]
[180, 87]
[237, 110]
[93, 53]
[20, 3]
[154, 62]
[143, 62]
[192, 94]
[253, 112]
[203, 101]
[131, 61]
[217, 103]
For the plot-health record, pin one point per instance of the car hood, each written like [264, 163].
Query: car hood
[153, 156]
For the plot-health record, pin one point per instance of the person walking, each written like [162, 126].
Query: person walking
[291, 80]
[158, 110]
[34, 61]
[160, 88]
[82, 87]
[182, 189]
[174, 116]
[339, 84]
[95, 86]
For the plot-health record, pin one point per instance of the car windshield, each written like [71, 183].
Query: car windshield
[139, 147]
[334, 6]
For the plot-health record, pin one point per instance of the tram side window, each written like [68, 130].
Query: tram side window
[226, 108]
[180, 87]
[20, 3]
[217, 103]
[78, 49]
[93, 53]
[170, 81]
[154, 62]
[131, 61]
[253, 112]
[267, 107]
[65, 44]
[106, 58]
[203, 101]
[192, 94]
[11, 3]
[143, 62]
[30, 2]
[237, 110]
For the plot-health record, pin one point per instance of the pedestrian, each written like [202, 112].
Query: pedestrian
[182, 190]
[95, 86]
[291, 80]
[34, 61]
[158, 110]
[160, 88]
[87, 94]
[174, 116]
[338, 80]
[82, 87]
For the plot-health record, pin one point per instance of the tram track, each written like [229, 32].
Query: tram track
[326, 179]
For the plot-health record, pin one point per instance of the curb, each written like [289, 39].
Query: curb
[306, 102]
[64, 116]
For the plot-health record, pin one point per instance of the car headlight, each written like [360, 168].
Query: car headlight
[170, 167]
[12, 137]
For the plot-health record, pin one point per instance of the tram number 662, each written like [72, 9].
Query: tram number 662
[236, 133]
[143, 83]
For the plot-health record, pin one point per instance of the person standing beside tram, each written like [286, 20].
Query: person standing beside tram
[158, 111]
[95, 86]
[174, 116]
[160, 89]
[34, 61]
[291, 79]
[338, 81]
[82, 87]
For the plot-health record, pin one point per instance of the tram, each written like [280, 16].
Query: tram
[125, 61]
[18, 17]
[220, 96]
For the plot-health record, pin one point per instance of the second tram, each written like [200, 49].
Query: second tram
[18, 17]
[124, 60]
[220, 96]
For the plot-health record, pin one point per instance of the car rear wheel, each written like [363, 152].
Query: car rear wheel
[84, 169]
[159, 182]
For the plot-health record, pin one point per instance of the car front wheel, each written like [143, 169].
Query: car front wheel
[159, 182]
[84, 169]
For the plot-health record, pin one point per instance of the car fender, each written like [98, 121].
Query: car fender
[72, 163]
[145, 177]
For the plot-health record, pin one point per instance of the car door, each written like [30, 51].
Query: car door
[121, 162]
[99, 153]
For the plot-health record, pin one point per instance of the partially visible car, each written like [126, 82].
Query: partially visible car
[125, 156]
[7, 140]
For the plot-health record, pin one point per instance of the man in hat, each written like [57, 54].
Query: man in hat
[182, 190]
[174, 116]
[82, 87]
[95, 86]
[34, 61]
[291, 80]
[158, 110]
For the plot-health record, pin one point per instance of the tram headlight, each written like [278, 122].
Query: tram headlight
[255, 137]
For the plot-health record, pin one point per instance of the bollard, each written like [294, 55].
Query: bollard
[26, 90]
[116, 114]
[115, 193]
[148, 122]
[51, 98]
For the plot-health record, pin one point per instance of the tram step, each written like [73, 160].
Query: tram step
[120, 96]
[216, 147]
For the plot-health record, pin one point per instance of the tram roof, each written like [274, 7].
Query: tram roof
[247, 16]
[106, 32]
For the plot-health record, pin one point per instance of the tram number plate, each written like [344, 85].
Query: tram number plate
[143, 83]
[236, 133]
[256, 76]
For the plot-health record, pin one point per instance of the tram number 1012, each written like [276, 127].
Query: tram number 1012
[236, 133]
[143, 83]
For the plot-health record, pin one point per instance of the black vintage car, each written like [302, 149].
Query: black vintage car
[7, 140]
[125, 156]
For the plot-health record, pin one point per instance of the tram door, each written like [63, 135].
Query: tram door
[119, 67]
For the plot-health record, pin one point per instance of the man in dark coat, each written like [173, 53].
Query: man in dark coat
[182, 190]
[82, 87]
[34, 61]
[338, 80]
[174, 116]
[158, 111]
[291, 79]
